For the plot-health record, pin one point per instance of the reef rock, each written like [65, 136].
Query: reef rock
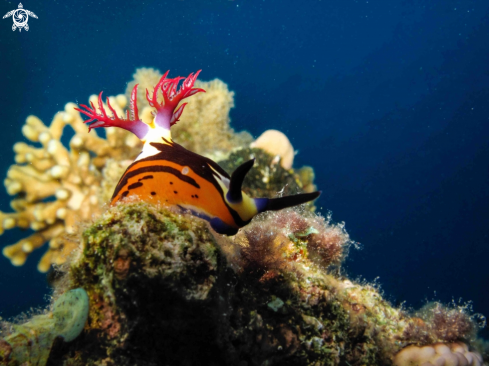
[164, 289]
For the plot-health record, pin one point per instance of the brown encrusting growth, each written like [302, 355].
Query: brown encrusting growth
[281, 241]
[447, 323]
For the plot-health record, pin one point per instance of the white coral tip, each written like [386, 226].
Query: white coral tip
[61, 213]
[62, 194]
[18, 260]
[67, 118]
[77, 141]
[45, 137]
[30, 133]
[37, 225]
[53, 147]
[20, 159]
[9, 223]
[59, 171]
[14, 188]
[20, 147]
[70, 108]
[27, 247]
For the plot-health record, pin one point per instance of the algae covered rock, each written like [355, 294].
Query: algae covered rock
[164, 290]
[150, 275]
[160, 288]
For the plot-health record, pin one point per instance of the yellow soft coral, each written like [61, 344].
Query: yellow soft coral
[204, 127]
[56, 187]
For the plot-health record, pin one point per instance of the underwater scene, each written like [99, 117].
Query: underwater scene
[231, 182]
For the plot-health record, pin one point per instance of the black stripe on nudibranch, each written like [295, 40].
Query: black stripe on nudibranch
[145, 177]
[153, 169]
[177, 154]
[135, 185]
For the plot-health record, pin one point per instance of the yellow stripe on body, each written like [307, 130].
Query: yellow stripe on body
[246, 209]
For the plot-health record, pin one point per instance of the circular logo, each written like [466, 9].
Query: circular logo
[20, 17]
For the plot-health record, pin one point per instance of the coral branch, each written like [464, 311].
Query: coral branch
[57, 187]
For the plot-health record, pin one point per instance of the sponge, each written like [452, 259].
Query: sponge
[31, 342]
[70, 312]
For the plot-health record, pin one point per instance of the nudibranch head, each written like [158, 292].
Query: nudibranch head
[166, 115]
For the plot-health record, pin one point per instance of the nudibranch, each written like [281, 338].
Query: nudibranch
[168, 174]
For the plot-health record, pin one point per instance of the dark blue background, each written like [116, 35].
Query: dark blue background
[388, 100]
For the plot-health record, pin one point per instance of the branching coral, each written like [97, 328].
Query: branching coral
[56, 187]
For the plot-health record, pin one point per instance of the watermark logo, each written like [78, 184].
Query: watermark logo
[20, 17]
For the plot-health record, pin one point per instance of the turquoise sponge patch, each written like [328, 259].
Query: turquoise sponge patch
[70, 312]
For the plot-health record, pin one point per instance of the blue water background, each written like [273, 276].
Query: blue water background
[388, 100]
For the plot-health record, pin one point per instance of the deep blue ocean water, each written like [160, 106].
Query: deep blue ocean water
[387, 99]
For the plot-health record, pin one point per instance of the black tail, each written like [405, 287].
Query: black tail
[274, 204]
[234, 194]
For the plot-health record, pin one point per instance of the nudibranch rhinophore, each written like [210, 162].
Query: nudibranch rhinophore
[168, 174]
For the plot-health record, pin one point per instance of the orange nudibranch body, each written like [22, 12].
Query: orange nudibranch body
[176, 176]
[168, 174]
